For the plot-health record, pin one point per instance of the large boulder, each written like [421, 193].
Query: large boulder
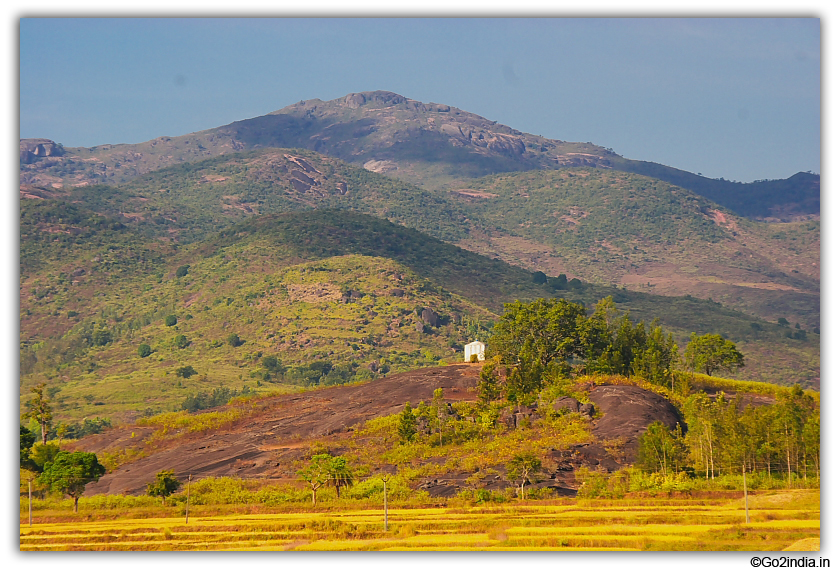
[627, 413]
[430, 317]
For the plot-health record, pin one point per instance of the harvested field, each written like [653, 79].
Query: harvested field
[652, 524]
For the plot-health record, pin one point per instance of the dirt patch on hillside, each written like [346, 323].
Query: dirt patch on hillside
[313, 292]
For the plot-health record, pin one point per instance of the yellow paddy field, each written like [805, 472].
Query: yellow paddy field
[778, 521]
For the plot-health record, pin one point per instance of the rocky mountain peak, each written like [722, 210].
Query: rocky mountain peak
[32, 149]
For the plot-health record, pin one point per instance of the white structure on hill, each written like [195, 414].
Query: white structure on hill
[474, 347]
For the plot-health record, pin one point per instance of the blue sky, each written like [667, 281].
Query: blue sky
[732, 98]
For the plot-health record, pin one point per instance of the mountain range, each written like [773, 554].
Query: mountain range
[374, 233]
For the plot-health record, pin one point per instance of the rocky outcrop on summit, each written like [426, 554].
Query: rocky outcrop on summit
[33, 149]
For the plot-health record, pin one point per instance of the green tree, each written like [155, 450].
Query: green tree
[439, 411]
[711, 352]
[529, 337]
[273, 365]
[656, 360]
[165, 484]
[182, 271]
[811, 439]
[181, 341]
[558, 283]
[27, 439]
[186, 371]
[144, 350]
[171, 320]
[61, 431]
[39, 409]
[407, 426]
[340, 474]
[317, 473]
[101, 337]
[522, 468]
[234, 340]
[69, 473]
[661, 449]
[488, 383]
[794, 407]
[43, 453]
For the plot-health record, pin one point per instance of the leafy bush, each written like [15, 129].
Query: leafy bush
[171, 320]
[182, 271]
[144, 350]
[186, 371]
[101, 337]
[181, 341]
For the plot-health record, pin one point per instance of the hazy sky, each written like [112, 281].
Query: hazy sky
[732, 98]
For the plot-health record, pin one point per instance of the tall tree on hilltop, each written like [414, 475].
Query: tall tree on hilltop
[38, 408]
[529, 337]
[711, 352]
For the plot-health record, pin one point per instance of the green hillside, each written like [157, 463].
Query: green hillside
[645, 234]
[335, 296]
[193, 200]
[595, 224]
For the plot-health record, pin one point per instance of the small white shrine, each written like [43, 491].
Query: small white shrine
[474, 347]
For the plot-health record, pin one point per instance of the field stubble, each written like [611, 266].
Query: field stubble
[778, 521]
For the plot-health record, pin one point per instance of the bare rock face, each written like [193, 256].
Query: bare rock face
[566, 403]
[33, 149]
[627, 413]
[430, 317]
[356, 100]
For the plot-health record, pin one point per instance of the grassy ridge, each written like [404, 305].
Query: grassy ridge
[600, 225]
[633, 231]
[191, 201]
[282, 284]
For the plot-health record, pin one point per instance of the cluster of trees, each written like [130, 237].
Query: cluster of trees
[59, 471]
[218, 397]
[551, 337]
[324, 469]
[435, 418]
[316, 373]
[39, 411]
[725, 436]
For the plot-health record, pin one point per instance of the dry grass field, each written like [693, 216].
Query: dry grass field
[779, 520]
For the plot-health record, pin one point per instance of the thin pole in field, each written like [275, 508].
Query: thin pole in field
[188, 499]
[385, 498]
[30, 502]
[746, 500]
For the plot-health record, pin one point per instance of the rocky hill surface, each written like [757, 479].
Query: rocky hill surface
[266, 443]
[428, 144]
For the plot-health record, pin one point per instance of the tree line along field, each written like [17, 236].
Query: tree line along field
[778, 520]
